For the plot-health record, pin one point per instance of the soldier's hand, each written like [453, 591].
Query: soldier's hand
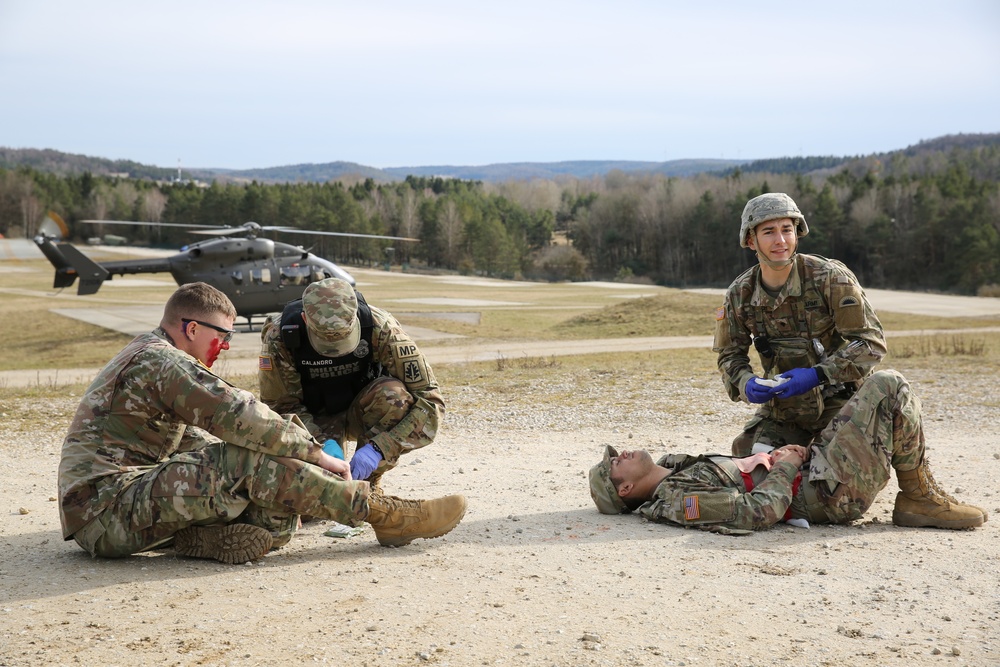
[800, 380]
[758, 393]
[335, 465]
[364, 461]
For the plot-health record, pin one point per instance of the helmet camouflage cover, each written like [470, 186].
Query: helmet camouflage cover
[770, 206]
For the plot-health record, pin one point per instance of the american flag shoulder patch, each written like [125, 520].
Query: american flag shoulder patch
[264, 363]
[720, 313]
[691, 510]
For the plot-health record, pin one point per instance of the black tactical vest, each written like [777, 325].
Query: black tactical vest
[329, 384]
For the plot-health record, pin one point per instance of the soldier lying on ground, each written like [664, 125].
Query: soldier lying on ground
[350, 372]
[162, 450]
[834, 480]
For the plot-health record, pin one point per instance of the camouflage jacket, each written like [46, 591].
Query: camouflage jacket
[821, 301]
[150, 402]
[281, 386]
[708, 492]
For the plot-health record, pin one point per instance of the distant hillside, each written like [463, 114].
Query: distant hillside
[304, 173]
[911, 159]
[63, 164]
[551, 170]
[908, 160]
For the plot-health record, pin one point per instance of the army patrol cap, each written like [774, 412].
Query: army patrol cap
[602, 489]
[770, 206]
[330, 308]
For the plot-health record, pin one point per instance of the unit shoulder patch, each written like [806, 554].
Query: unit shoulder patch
[849, 300]
[405, 350]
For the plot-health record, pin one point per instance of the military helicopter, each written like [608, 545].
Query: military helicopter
[257, 274]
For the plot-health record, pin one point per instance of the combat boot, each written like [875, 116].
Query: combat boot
[922, 503]
[231, 543]
[398, 521]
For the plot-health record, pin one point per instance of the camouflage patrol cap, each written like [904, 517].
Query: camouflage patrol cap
[331, 312]
[770, 206]
[602, 489]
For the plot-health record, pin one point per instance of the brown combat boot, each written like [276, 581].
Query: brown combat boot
[922, 503]
[398, 521]
[232, 543]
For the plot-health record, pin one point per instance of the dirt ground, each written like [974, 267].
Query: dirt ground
[534, 575]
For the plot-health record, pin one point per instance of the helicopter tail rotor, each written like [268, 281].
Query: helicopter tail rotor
[53, 227]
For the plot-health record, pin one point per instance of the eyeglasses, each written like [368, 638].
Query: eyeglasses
[229, 332]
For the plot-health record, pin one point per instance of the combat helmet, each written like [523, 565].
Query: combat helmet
[771, 206]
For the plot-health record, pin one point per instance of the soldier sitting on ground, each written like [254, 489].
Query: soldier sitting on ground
[350, 372]
[162, 451]
[835, 480]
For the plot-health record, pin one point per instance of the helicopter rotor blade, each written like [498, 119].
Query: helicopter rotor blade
[221, 231]
[150, 224]
[293, 230]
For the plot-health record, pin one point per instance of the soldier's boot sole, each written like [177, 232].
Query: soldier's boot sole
[232, 543]
[922, 513]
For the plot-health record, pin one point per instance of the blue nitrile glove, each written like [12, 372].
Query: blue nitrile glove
[757, 393]
[364, 462]
[333, 448]
[800, 380]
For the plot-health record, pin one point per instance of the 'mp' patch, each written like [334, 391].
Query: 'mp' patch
[404, 350]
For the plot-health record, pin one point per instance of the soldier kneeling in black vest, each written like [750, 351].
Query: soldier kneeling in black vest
[351, 373]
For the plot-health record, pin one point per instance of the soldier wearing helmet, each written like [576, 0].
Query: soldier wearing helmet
[350, 372]
[810, 322]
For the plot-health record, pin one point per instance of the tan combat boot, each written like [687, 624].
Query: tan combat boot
[232, 543]
[398, 521]
[921, 503]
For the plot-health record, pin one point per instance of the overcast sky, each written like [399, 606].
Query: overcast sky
[244, 84]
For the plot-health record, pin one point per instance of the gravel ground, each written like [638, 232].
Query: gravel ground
[533, 575]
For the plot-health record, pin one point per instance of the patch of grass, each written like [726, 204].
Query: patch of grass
[523, 363]
[35, 338]
[939, 345]
[909, 322]
[674, 313]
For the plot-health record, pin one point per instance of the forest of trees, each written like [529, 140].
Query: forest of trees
[926, 220]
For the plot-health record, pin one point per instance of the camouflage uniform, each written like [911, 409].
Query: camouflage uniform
[399, 411]
[160, 443]
[879, 427]
[819, 318]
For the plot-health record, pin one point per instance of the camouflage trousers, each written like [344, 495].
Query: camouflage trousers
[877, 429]
[379, 406]
[215, 484]
[767, 430]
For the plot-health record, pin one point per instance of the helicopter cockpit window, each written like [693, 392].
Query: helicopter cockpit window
[295, 275]
[319, 274]
[260, 276]
[237, 277]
